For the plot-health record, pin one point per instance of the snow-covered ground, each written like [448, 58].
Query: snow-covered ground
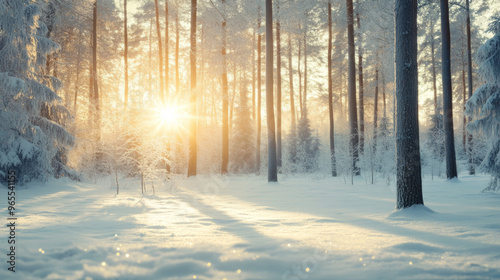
[309, 227]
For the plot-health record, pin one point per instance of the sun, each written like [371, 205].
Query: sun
[168, 115]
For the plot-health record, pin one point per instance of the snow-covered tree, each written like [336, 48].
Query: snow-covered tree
[307, 146]
[484, 105]
[33, 138]
[242, 144]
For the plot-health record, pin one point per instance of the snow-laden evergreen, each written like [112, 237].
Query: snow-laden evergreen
[33, 138]
[242, 147]
[484, 105]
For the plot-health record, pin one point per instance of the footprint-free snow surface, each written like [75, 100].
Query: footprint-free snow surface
[244, 228]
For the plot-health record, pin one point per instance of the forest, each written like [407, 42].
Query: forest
[143, 91]
[184, 101]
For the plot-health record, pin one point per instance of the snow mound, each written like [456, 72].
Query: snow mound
[415, 212]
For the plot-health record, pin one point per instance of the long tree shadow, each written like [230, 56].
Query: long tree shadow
[256, 240]
[450, 242]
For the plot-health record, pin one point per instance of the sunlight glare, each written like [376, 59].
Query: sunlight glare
[168, 115]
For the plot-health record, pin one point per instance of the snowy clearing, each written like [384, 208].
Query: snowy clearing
[308, 227]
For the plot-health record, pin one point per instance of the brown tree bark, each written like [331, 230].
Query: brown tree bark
[225, 97]
[272, 170]
[353, 116]
[330, 92]
[259, 93]
[361, 87]
[290, 77]
[167, 58]
[126, 50]
[278, 88]
[160, 53]
[192, 163]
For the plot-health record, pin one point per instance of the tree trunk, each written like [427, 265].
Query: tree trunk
[126, 50]
[272, 171]
[290, 76]
[150, 88]
[232, 98]
[304, 103]
[375, 107]
[160, 53]
[77, 82]
[383, 95]
[259, 93]
[300, 78]
[167, 70]
[409, 180]
[361, 88]
[433, 56]
[225, 127]
[353, 116]
[193, 123]
[167, 61]
[177, 39]
[95, 101]
[50, 26]
[253, 76]
[471, 168]
[464, 100]
[201, 83]
[278, 87]
[330, 92]
[451, 163]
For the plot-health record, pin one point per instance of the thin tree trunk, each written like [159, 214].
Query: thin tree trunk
[232, 98]
[259, 93]
[272, 175]
[91, 115]
[225, 127]
[77, 82]
[290, 76]
[304, 103]
[353, 116]
[451, 163]
[160, 53]
[361, 87]
[167, 61]
[50, 26]
[278, 87]
[433, 57]
[253, 76]
[126, 51]
[167, 70]
[177, 39]
[409, 177]
[375, 108]
[95, 101]
[150, 89]
[464, 100]
[330, 92]
[201, 80]
[383, 95]
[300, 78]
[193, 103]
[471, 168]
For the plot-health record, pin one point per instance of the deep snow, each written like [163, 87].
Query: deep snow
[212, 227]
